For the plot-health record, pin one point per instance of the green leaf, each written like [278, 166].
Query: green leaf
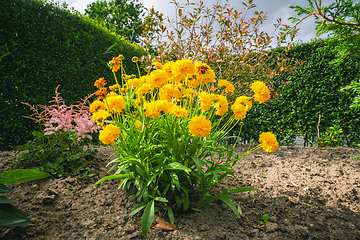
[147, 217]
[171, 215]
[5, 189]
[4, 200]
[161, 199]
[198, 163]
[12, 216]
[243, 189]
[110, 177]
[265, 218]
[227, 199]
[175, 180]
[177, 166]
[137, 208]
[22, 175]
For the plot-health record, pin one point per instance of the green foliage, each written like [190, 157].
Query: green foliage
[120, 16]
[48, 154]
[11, 216]
[340, 19]
[331, 138]
[44, 45]
[311, 90]
[59, 148]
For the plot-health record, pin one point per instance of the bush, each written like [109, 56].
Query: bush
[44, 45]
[310, 93]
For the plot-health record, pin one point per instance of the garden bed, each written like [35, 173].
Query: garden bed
[309, 193]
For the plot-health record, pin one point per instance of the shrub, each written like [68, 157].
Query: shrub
[43, 45]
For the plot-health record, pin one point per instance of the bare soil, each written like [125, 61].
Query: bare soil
[309, 193]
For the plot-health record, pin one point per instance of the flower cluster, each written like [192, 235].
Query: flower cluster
[184, 89]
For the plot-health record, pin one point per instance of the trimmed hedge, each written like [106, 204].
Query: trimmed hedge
[44, 45]
[312, 90]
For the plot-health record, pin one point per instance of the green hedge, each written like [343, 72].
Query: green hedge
[44, 45]
[312, 90]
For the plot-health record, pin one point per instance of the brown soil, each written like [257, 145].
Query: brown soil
[309, 193]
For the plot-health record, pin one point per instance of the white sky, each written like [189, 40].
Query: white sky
[275, 9]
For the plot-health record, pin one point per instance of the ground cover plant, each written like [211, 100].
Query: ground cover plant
[166, 129]
[61, 145]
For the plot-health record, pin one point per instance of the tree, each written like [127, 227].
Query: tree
[120, 16]
[340, 19]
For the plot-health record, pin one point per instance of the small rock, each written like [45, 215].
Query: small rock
[254, 230]
[271, 227]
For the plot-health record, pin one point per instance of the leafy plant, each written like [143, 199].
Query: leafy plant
[265, 218]
[59, 148]
[166, 129]
[332, 137]
[10, 215]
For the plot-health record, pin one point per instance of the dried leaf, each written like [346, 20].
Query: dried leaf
[161, 224]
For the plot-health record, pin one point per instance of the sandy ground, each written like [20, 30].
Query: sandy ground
[309, 193]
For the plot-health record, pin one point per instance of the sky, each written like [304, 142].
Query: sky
[275, 9]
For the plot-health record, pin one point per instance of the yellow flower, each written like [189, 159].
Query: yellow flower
[205, 73]
[138, 125]
[115, 103]
[96, 106]
[154, 108]
[199, 126]
[261, 91]
[113, 87]
[157, 78]
[222, 104]
[170, 91]
[183, 67]
[268, 142]
[109, 134]
[241, 106]
[157, 65]
[179, 111]
[206, 100]
[100, 116]
[134, 83]
[114, 64]
[213, 89]
[101, 82]
[228, 86]
[192, 80]
[143, 89]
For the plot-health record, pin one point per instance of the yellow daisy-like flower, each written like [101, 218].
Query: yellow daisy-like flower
[268, 142]
[134, 83]
[143, 89]
[222, 104]
[206, 100]
[205, 73]
[157, 78]
[228, 86]
[154, 108]
[101, 82]
[109, 134]
[100, 116]
[199, 126]
[115, 104]
[96, 106]
[179, 111]
[241, 106]
[183, 67]
[157, 65]
[138, 125]
[261, 91]
[170, 91]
